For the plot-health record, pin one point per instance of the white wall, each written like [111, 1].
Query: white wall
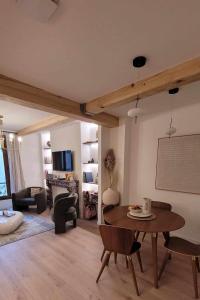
[144, 139]
[31, 158]
[68, 137]
[117, 139]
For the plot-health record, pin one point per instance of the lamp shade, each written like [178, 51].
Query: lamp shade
[171, 131]
[134, 112]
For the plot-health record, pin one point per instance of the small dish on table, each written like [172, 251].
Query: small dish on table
[136, 211]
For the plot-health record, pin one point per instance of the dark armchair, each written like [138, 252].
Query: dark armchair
[30, 196]
[64, 210]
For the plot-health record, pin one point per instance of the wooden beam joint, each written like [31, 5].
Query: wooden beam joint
[33, 97]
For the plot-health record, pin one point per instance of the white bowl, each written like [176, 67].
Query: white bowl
[136, 211]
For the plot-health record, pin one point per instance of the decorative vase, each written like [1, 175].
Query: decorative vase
[110, 196]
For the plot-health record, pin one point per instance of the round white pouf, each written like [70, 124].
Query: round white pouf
[10, 224]
[110, 196]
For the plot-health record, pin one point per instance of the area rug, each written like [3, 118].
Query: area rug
[32, 225]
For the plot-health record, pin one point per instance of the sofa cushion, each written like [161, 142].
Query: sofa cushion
[71, 210]
[25, 201]
[71, 213]
[135, 247]
[52, 213]
[34, 191]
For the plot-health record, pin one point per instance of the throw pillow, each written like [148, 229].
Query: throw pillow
[35, 191]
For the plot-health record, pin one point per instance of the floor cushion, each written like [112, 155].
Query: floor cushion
[25, 201]
[10, 224]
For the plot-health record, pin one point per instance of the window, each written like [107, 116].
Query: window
[3, 185]
[4, 175]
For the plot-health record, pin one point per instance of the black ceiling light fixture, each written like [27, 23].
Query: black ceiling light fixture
[172, 129]
[139, 61]
[173, 91]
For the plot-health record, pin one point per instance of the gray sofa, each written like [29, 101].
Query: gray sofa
[30, 196]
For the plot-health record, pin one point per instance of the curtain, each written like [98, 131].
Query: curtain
[17, 182]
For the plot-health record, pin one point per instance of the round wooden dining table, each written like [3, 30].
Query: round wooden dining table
[164, 222]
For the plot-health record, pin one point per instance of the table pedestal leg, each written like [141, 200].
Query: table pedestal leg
[154, 237]
[166, 236]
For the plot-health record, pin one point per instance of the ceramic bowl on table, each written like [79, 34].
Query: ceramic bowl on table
[135, 209]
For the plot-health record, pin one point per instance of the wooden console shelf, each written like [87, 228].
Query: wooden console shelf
[72, 186]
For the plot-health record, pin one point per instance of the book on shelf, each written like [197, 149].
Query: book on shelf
[88, 177]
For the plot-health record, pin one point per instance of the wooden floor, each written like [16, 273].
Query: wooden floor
[64, 267]
[89, 225]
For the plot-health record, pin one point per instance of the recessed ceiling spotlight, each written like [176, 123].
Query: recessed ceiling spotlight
[139, 61]
[173, 91]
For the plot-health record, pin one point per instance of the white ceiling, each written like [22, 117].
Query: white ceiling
[86, 49]
[17, 117]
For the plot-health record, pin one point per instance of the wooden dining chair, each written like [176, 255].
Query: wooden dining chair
[160, 205]
[105, 210]
[122, 241]
[186, 248]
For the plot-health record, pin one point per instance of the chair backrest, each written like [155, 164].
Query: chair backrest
[62, 205]
[117, 239]
[106, 209]
[60, 196]
[182, 246]
[64, 201]
[161, 205]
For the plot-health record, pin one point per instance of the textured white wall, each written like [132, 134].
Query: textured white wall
[118, 140]
[68, 137]
[143, 156]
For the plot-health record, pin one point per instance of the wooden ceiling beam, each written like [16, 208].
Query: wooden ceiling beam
[33, 97]
[43, 124]
[179, 75]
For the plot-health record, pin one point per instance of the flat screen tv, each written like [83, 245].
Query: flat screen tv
[62, 160]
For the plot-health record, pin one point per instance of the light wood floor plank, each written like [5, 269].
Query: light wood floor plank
[64, 267]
